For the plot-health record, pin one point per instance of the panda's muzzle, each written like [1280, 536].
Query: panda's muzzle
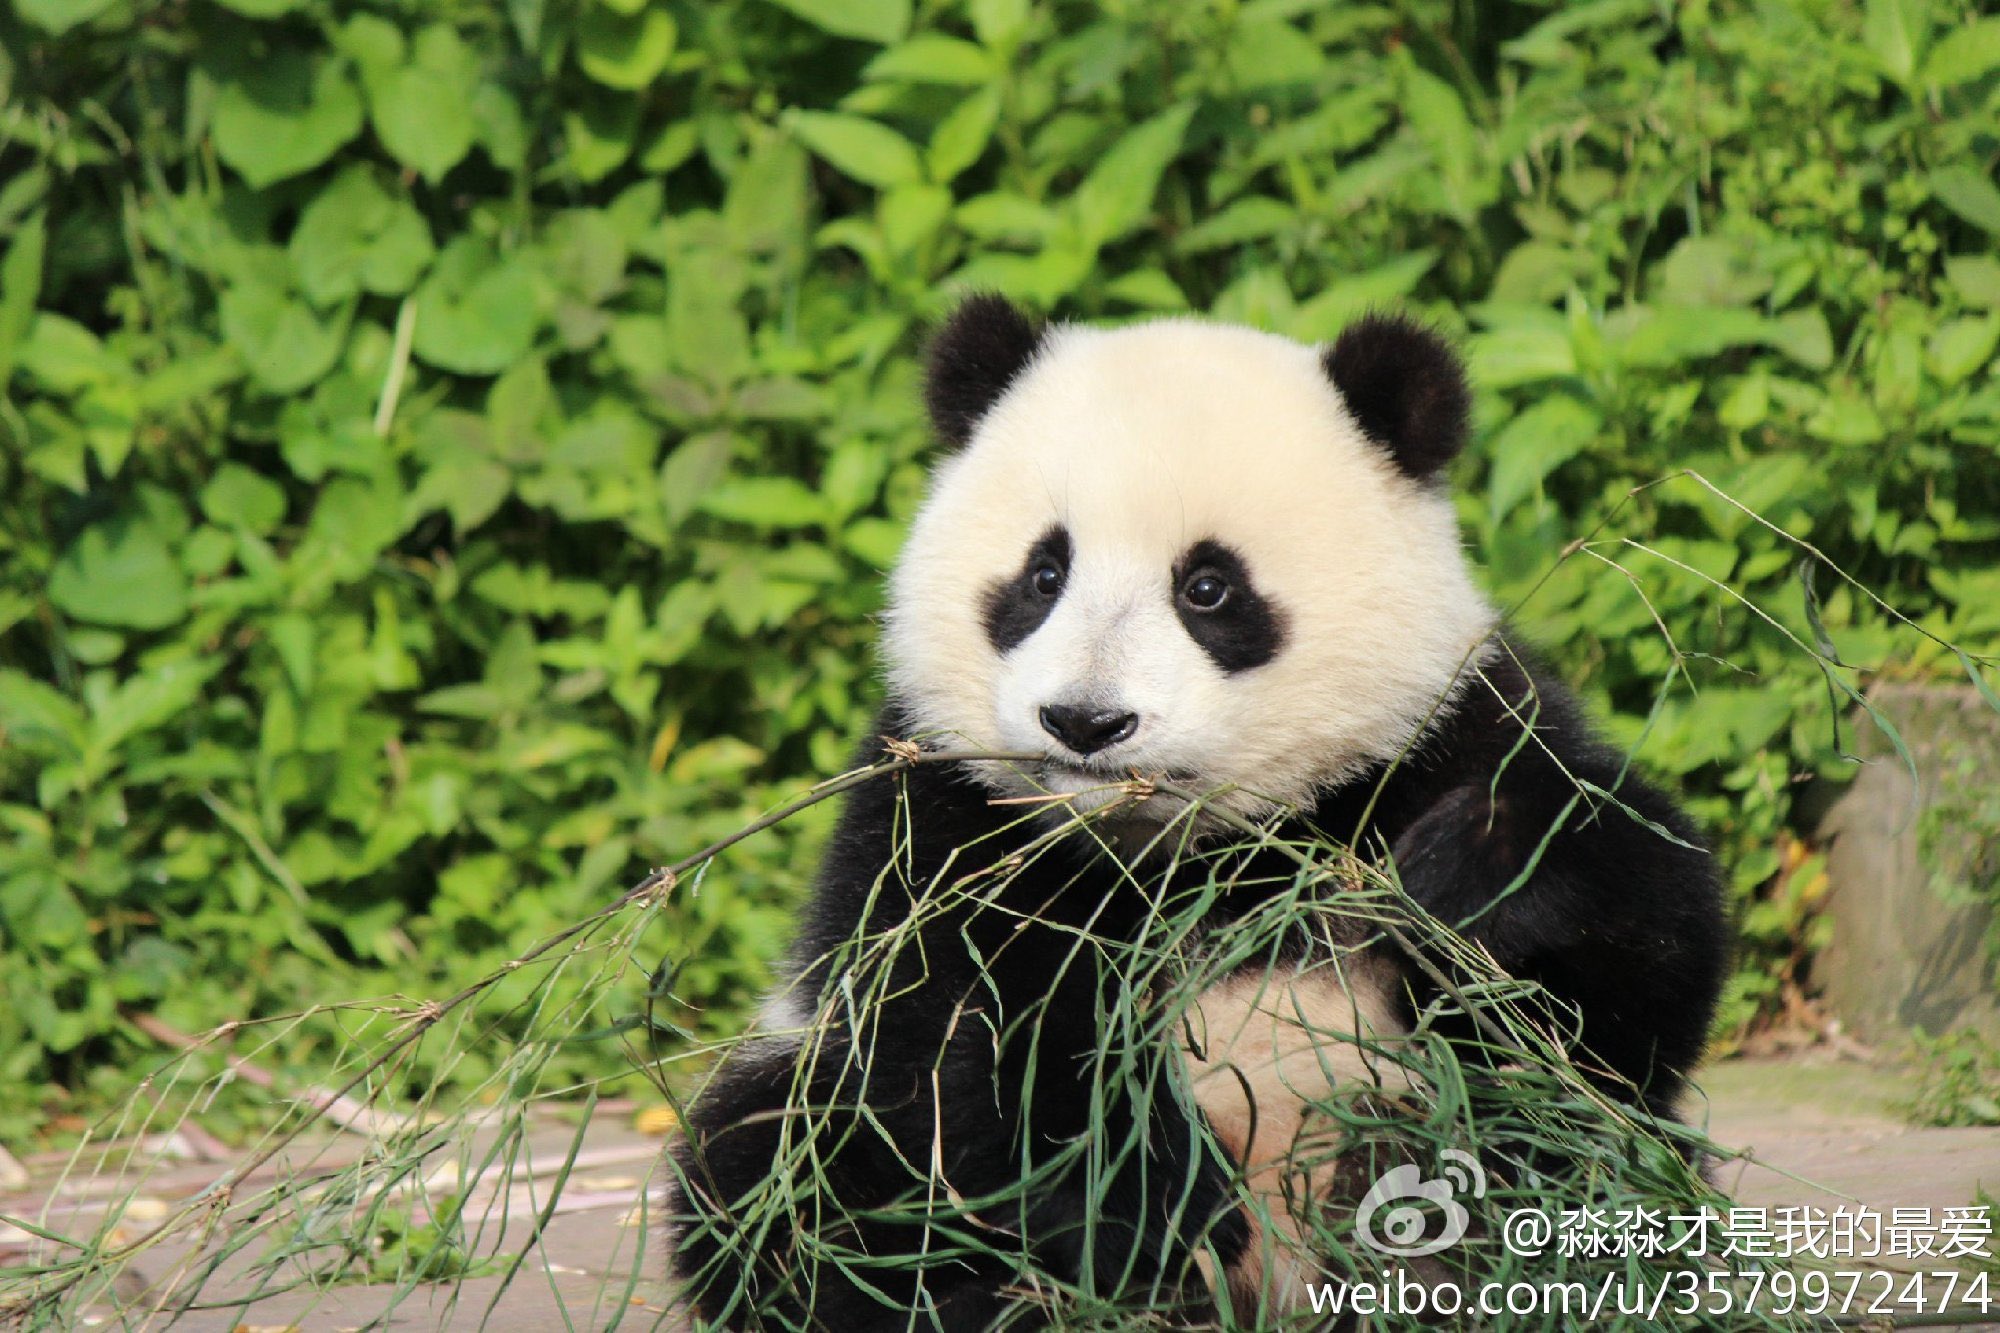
[1084, 729]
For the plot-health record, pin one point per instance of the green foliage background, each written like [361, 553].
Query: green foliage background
[449, 449]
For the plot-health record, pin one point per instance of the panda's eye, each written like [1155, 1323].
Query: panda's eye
[1205, 592]
[1047, 580]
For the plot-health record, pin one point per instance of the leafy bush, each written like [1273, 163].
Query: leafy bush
[1956, 1083]
[449, 449]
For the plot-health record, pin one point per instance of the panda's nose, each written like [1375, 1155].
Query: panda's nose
[1085, 729]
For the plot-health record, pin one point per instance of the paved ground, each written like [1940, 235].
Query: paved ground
[1823, 1132]
[1820, 1132]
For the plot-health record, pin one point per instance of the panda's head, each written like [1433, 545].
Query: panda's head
[1184, 549]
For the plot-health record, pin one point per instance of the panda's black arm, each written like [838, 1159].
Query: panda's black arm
[1612, 918]
[947, 1023]
[810, 1143]
[775, 1150]
[1610, 902]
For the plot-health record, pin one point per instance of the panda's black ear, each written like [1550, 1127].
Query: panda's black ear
[1405, 387]
[973, 357]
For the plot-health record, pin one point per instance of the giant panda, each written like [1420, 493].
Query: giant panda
[1186, 556]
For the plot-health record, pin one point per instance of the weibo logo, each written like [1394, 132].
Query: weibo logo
[1397, 1213]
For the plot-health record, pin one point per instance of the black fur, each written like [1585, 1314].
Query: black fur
[972, 359]
[1405, 388]
[1247, 629]
[1015, 607]
[982, 1041]
[1620, 921]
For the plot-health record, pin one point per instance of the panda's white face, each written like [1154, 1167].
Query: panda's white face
[1169, 549]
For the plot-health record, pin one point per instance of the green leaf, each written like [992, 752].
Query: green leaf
[689, 472]
[285, 114]
[423, 109]
[1251, 218]
[1965, 53]
[961, 137]
[765, 502]
[519, 416]
[286, 344]
[1261, 298]
[65, 356]
[878, 21]
[143, 703]
[1803, 336]
[373, 43]
[35, 714]
[1507, 357]
[119, 572]
[601, 131]
[352, 523]
[476, 312]
[356, 236]
[1007, 217]
[1962, 346]
[468, 701]
[1846, 418]
[1117, 196]
[866, 150]
[20, 287]
[1747, 404]
[1711, 271]
[1326, 314]
[1270, 53]
[932, 57]
[1545, 44]
[625, 51]
[911, 214]
[1149, 288]
[705, 329]
[236, 497]
[875, 540]
[1968, 192]
[673, 145]
[1437, 114]
[767, 203]
[466, 486]
[259, 9]
[498, 126]
[1976, 279]
[1534, 444]
[999, 23]
[59, 16]
[1895, 31]
[1675, 335]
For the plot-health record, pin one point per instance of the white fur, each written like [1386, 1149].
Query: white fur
[1262, 1049]
[1142, 441]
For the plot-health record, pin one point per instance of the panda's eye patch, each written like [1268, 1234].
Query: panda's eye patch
[1222, 609]
[1016, 606]
[1206, 591]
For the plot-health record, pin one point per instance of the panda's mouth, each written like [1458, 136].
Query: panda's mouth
[1108, 775]
[1083, 770]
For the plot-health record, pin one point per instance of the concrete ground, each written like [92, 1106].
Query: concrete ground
[1819, 1132]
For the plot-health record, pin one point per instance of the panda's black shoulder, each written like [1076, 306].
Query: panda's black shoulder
[1522, 710]
[1517, 731]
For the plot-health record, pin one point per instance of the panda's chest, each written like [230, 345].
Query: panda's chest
[1265, 1050]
